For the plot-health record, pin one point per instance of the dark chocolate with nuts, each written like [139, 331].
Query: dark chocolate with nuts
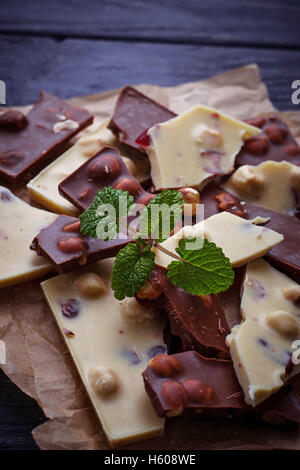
[199, 321]
[286, 255]
[28, 143]
[67, 249]
[104, 169]
[134, 113]
[191, 384]
[275, 142]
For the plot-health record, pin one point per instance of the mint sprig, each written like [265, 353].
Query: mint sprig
[161, 214]
[102, 219]
[201, 272]
[131, 269]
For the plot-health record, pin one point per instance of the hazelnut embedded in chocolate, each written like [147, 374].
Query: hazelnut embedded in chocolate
[90, 285]
[257, 122]
[74, 227]
[104, 167]
[14, 121]
[197, 391]
[103, 380]
[175, 396]
[292, 150]
[256, 145]
[149, 291]
[191, 198]
[276, 134]
[227, 202]
[73, 244]
[283, 323]
[127, 184]
[165, 366]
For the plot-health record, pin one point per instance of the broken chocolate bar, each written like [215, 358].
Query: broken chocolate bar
[135, 113]
[275, 142]
[285, 256]
[189, 383]
[27, 143]
[105, 169]
[67, 249]
[199, 321]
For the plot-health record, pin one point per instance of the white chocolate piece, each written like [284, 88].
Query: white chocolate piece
[240, 240]
[44, 187]
[261, 346]
[104, 338]
[269, 184]
[189, 150]
[20, 223]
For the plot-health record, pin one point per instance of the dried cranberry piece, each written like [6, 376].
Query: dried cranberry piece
[70, 308]
[132, 356]
[144, 139]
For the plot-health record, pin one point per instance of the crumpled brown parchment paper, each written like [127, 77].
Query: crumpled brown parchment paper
[37, 359]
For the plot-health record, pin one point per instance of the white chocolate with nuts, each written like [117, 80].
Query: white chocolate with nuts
[240, 240]
[270, 184]
[110, 351]
[20, 223]
[261, 346]
[189, 150]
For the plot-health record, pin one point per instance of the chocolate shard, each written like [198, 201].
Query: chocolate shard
[133, 114]
[188, 383]
[28, 143]
[199, 321]
[104, 169]
[67, 249]
[276, 142]
[286, 255]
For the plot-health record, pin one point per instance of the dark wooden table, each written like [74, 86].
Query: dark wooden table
[77, 47]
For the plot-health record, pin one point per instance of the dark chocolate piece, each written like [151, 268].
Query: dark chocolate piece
[104, 169]
[134, 113]
[67, 249]
[199, 321]
[28, 143]
[275, 142]
[191, 384]
[286, 255]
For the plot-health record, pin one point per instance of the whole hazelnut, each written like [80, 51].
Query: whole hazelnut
[149, 291]
[246, 180]
[90, 285]
[197, 391]
[131, 167]
[174, 395]
[210, 138]
[276, 133]
[104, 167]
[283, 323]
[164, 365]
[72, 245]
[257, 122]
[103, 380]
[135, 312]
[256, 145]
[191, 198]
[292, 293]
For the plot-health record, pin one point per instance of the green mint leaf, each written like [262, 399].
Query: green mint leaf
[161, 214]
[131, 269]
[205, 271]
[102, 218]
